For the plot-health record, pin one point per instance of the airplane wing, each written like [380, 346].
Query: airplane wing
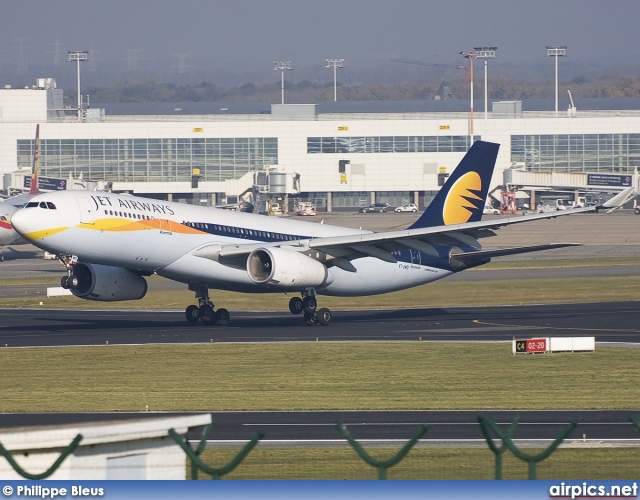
[340, 250]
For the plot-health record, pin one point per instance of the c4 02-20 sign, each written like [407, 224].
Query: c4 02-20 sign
[530, 345]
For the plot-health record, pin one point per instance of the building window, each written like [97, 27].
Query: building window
[143, 160]
[619, 153]
[389, 144]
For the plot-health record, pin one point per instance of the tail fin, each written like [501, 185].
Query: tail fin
[462, 197]
[36, 162]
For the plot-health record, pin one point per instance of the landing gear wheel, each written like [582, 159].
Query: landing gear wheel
[310, 319]
[192, 314]
[295, 305]
[207, 315]
[222, 317]
[309, 304]
[73, 281]
[64, 282]
[323, 316]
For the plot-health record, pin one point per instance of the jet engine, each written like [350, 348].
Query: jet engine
[286, 269]
[106, 283]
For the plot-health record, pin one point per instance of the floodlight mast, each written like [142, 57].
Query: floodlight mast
[486, 53]
[282, 66]
[335, 64]
[553, 51]
[78, 56]
[471, 56]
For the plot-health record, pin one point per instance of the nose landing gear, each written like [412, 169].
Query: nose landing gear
[308, 304]
[205, 311]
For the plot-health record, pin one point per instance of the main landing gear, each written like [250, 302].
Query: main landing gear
[309, 305]
[205, 311]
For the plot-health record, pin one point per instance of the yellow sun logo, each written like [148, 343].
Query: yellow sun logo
[460, 202]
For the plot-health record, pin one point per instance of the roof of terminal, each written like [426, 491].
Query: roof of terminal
[345, 107]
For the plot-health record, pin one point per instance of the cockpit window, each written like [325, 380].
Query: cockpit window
[31, 204]
[51, 206]
[43, 204]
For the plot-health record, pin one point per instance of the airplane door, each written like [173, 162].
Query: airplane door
[86, 210]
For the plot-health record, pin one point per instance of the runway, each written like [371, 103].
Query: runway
[380, 428]
[608, 322]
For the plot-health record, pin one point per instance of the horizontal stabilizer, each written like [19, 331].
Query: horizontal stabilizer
[500, 252]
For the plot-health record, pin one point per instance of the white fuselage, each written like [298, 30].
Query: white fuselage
[159, 237]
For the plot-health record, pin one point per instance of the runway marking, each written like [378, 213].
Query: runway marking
[423, 423]
[529, 327]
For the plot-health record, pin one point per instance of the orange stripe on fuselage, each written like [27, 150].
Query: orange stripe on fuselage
[118, 224]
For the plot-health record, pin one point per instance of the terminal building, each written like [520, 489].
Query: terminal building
[338, 155]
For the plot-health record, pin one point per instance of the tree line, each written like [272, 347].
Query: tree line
[500, 88]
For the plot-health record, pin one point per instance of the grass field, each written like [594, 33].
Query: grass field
[314, 376]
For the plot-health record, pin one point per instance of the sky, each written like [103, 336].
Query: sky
[252, 34]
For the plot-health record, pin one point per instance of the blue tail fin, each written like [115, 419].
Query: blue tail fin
[462, 197]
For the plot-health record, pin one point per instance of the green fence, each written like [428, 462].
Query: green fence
[498, 458]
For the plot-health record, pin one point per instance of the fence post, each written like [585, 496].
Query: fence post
[531, 460]
[68, 450]
[498, 451]
[199, 464]
[382, 466]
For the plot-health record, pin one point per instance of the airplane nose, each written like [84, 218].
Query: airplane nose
[20, 221]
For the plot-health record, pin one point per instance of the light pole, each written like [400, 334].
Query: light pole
[471, 56]
[486, 53]
[282, 66]
[335, 64]
[556, 52]
[78, 56]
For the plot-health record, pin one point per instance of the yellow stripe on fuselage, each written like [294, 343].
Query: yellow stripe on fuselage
[38, 235]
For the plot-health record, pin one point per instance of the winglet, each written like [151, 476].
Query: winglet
[462, 197]
[620, 199]
[36, 162]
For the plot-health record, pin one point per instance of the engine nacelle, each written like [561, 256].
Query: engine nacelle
[285, 269]
[107, 283]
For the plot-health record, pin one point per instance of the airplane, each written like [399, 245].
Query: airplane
[8, 235]
[109, 242]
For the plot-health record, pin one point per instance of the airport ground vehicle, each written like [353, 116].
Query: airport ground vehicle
[407, 207]
[375, 207]
[488, 209]
[305, 208]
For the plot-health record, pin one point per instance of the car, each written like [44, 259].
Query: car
[488, 209]
[407, 207]
[375, 207]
